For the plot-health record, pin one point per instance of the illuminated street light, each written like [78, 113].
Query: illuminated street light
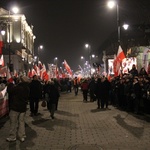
[55, 60]
[39, 48]
[14, 10]
[111, 4]
[87, 46]
[125, 26]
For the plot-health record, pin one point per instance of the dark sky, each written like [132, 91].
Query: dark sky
[64, 26]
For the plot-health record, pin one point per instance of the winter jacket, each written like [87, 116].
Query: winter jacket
[20, 95]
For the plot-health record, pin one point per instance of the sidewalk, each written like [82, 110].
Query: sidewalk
[80, 126]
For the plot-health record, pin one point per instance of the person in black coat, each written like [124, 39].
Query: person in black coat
[136, 92]
[106, 86]
[35, 95]
[53, 98]
[18, 107]
[98, 92]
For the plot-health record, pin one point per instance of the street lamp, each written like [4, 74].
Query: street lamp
[55, 60]
[15, 10]
[111, 5]
[87, 46]
[39, 48]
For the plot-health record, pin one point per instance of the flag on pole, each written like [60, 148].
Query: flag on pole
[67, 67]
[117, 61]
[1, 44]
[9, 77]
[2, 60]
[120, 54]
[30, 73]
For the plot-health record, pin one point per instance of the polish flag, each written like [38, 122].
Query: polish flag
[1, 44]
[15, 73]
[30, 73]
[37, 69]
[120, 54]
[2, 61]
[3, 71]
[117, 61]
[67, 67]
[43, 72]
[9, 77]
[33, 72]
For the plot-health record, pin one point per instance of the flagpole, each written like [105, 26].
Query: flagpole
[118, 23]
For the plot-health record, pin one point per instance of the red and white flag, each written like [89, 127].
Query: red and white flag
[9, 77]
[2, 60]
[3, 70]
[120, 54]
[1, 44]
[43, 73]
[30, 73]
[117, 61]
[67, 67]
[33, 72]
[15, 73]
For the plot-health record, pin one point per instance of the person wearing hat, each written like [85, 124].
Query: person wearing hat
[18, 107]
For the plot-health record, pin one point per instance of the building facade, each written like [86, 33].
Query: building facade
[18, 41]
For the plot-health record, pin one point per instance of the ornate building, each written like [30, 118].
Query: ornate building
[18, 41]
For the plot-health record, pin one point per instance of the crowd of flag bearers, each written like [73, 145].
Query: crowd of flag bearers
[127, 91]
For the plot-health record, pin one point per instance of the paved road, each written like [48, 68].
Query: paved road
[80, 126]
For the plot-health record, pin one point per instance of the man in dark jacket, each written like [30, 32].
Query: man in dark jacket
[20, 95]
[35, 95]
[53, 98]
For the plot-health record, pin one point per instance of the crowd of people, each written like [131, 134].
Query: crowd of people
[129, 92]
[23, 91]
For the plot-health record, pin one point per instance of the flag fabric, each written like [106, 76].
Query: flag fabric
[2, 60]
[15, 73]
[37, 69]
[120, 54]
[9, 77]
[33, 72]
[52, 70]
[1, 44]
[40, 65]
[67, 67]
[43, 74]
[3, 70]
[4, 91]
[29, 73]
[117, 61]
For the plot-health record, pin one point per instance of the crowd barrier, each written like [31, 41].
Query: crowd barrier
[4, 110]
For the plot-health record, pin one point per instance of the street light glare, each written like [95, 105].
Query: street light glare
[41, 46]
[111, 4]
[15, 10]
[86, 45]
[126, 26]
[3, 32]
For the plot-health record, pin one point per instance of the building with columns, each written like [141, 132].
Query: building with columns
[18, 41]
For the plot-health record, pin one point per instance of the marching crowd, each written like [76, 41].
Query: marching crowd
[129, 92]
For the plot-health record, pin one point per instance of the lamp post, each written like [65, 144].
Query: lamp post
[39, 48]
[87, 46]
[55, 60]
[15, 10]
[111, 4]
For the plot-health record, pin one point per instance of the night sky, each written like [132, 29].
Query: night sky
[63, 27]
